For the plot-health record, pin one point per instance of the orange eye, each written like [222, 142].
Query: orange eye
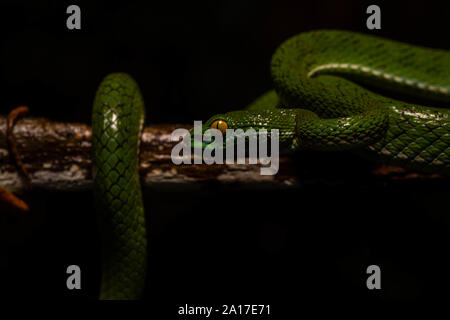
[221, 125]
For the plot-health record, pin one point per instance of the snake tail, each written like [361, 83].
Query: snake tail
[117, 121]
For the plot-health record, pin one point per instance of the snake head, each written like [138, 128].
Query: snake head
[250, 122]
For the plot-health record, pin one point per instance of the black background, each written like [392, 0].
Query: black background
[193, 59]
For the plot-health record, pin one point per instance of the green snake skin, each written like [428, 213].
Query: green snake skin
[117, 121]
[321, 99]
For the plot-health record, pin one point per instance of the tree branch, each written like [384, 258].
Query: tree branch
[58, 157]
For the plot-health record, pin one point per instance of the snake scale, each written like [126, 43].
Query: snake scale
[321, 102]
[117, 120]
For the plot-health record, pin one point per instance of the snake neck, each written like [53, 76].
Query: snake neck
[345, 133]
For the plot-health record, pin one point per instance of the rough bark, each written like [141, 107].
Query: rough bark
[58, 157]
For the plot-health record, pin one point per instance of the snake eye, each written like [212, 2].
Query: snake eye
[221, 125]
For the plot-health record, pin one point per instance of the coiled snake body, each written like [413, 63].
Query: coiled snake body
[318, 103]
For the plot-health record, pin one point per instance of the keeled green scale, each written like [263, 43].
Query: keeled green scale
[117, 121]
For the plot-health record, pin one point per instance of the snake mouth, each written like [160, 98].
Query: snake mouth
[205, 141]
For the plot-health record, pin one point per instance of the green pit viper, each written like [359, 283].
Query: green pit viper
[320, 102]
